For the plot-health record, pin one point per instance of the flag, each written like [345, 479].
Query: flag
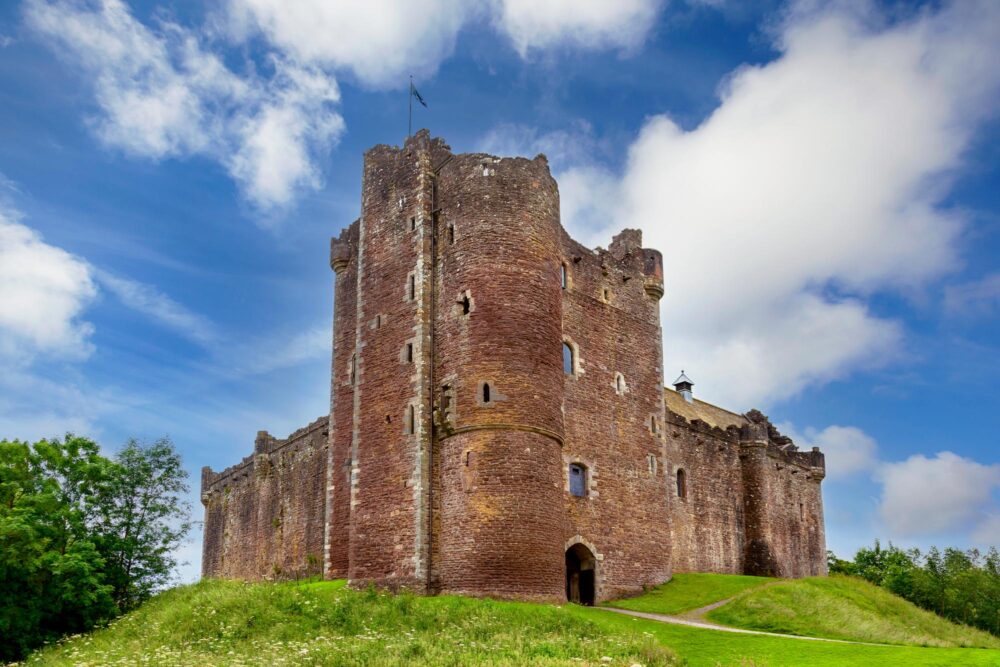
[416, 93]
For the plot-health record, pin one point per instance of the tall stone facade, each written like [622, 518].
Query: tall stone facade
[498, 422]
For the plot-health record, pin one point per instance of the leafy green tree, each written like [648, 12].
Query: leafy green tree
[51, 573]
[142, 519]
[83, 537]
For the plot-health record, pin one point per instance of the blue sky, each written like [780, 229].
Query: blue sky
[821, 178]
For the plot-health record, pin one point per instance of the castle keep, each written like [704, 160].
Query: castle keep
[498, 421]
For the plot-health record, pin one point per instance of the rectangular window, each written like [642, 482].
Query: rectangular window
[412, 289]
[577, 480]
[409, 353]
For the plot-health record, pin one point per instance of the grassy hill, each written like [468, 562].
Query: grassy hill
[324, 623]
[844, 608]
[686, 592]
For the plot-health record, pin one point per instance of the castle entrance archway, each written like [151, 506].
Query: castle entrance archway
[580, 570]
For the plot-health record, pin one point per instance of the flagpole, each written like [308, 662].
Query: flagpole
[409, 113]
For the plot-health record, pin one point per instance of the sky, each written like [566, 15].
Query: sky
[822, 179]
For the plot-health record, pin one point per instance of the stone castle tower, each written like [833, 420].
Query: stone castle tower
[498, 422]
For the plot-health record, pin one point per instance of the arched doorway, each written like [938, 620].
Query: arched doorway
[580, 570]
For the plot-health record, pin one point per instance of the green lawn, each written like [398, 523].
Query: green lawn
[711, 648]
[690, 591]
[844, 608]
[324, 623]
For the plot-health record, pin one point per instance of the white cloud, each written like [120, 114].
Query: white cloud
[380, 42]
[987, 533]
[282, 351]
[592, 24]
[43, 292]
[151, 302]
[817, 182]
[849, 451]
[944, 493]
[161, 93]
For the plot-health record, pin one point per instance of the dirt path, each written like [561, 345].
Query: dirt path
[705, 625]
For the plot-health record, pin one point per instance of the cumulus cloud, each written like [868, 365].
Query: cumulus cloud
[379, 42]
[43, 293]
[592, 24]
[151, 302]
[162, 93]
[849, 450]
[818, 181]
[940, 494]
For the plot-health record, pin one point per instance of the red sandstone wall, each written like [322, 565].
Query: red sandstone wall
[613, 323]
[706, 526]
[499, 495]
[265, 517]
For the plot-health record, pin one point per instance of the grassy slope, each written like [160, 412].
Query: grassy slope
[690, 591]
[228, 623]
[221, 623]
[844, 608]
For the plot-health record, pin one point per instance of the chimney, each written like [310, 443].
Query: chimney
[683, 386]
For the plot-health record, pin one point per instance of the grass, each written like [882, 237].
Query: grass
[324, 623]
[841, 607]
[686, 592]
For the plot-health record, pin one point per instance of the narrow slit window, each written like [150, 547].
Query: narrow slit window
[606, 293]
[563, 275]
[681, 483]
[651, 462]
[653, 426]
[578, 479]
[466, 304]
[411, 420]
[354, 368]
[409, 353]
[413, 223]
[451, 234]
[446, 401]
[486, 392]
[378, 321]
[412, 289]
[569, 360]
[620, 383]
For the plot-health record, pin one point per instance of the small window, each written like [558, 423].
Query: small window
[411, 420]
[651, 463]
[563, 276]
[409, 353]
[681, 483]
[486, 392]
[578, 479]
[378, 321]
[654, 427]
[619, 384]
[606, 294]
[354, 368]
[569, 359]
[466, 304]
[412, 289]
[451, 234]
[445, 402]
[413, 223]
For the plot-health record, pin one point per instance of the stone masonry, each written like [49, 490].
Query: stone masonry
[498, 423]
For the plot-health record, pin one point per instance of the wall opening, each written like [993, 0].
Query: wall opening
[569, 359]
[654, 426]
[354, 368]
[651, 462]
[413, 223]
[466, 304]
[606, 295]
[445, 402]
[681, 483]
[619, 384]
[580, 570]
[486, 392]
[411, 290]
[564, 275]
[451, 234]
[411, 420]
[409, 353]
[578, 480]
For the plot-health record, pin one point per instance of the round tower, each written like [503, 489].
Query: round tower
[498, 379]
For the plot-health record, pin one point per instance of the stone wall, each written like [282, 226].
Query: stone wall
[453, 425]
[265, 516]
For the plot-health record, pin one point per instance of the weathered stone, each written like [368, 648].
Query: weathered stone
[453, 426]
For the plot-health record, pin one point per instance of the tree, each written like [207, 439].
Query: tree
[83, 537]
[142, 520]
[51, 574]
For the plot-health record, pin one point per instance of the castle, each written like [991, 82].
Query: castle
[498, 422]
